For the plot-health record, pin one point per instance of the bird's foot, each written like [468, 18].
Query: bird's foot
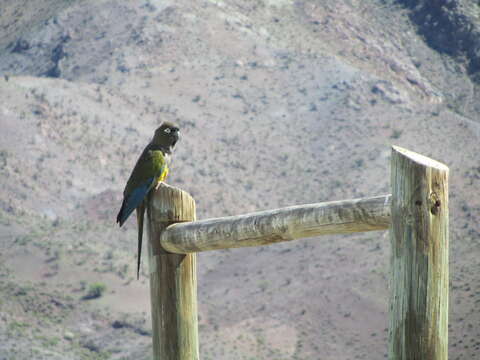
[158, 185]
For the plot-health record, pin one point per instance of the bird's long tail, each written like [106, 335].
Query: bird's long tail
[140, 217]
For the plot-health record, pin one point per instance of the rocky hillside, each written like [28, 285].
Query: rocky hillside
[280, 103]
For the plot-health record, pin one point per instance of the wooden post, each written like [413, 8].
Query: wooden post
[419, 258]
[173, 279]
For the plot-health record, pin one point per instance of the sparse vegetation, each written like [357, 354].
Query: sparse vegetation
[396, 134]
[3, 159]
[359, 163]
[95, 291]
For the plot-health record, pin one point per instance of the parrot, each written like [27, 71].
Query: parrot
[151, 168]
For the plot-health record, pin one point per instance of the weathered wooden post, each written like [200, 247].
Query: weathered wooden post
[419, 260]
[173, 279]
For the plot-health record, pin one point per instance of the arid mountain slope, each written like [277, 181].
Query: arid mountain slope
[280, 103]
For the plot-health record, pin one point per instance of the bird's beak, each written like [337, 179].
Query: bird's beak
[175, 135]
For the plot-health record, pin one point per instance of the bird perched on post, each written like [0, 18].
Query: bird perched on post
[150, 169]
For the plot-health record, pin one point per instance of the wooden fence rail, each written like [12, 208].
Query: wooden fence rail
[416, 212]
[285, 224]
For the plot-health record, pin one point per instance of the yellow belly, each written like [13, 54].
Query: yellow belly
[163, 176]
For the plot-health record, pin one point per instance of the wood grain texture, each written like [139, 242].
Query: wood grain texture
[419, 258]
[173, 279]
[272, 226]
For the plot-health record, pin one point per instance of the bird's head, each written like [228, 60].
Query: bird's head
[166, 136]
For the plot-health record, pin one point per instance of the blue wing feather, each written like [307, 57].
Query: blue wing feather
[134, 200]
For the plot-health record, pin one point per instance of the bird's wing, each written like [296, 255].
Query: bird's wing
[140, 216]
[149, 168]
[134, 199]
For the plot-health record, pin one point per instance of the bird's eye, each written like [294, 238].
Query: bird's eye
[167, 130]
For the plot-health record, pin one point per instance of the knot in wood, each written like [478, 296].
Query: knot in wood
[434, 203]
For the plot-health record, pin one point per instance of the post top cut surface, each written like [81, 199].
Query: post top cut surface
[420, 159]
[171, 204]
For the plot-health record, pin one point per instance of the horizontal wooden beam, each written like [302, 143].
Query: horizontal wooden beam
[272, 226]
